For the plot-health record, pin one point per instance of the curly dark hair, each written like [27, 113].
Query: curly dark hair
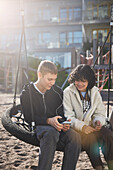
[83, 72]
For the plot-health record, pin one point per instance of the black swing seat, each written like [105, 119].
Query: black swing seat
[13, 121]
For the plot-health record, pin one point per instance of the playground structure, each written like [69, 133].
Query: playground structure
[102, 75]
[7, 71]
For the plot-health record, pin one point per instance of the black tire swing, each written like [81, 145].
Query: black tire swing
[13, 119]
[17, 129]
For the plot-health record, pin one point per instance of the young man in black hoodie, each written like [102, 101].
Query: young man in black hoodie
[48, 113]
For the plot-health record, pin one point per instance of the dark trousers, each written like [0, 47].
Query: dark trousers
[92, 142]
[106, 143]
[50, 139]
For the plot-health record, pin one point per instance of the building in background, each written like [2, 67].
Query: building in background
[54, 29]
[53, 24]
[96, 19]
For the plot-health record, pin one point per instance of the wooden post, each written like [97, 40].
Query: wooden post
[20, 76]
[94, 49]
[73, 58]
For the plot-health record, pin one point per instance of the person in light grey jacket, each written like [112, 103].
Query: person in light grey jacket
[83, 105]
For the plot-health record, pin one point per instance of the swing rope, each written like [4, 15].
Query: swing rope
[26, 74]
[18, 68]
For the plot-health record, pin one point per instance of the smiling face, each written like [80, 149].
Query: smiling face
[81, 85]
[46, 81]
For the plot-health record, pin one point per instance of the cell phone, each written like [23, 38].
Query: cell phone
[67, 122]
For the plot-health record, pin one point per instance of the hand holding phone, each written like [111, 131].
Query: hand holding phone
[66, 125]
[67, 122]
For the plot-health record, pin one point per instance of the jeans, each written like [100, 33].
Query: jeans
[106, 142]
[50, 140]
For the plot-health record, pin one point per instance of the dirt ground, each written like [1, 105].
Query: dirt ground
[16, 154]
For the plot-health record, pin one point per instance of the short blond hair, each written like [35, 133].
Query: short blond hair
[47, 66]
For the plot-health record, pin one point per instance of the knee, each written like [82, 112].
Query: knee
[74, 137]
[106, 134]
[52, 134]
[77, 138]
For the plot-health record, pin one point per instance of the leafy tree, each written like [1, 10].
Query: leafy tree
[33, 63]
[62, 75]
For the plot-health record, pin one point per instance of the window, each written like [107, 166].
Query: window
[70, 37]
[40, 38]
[103, 11]
[77, 13]
[70, 14]
[62, 39]
[77, 37]
[100, 35]
[63, 14]
[44, 14]
[98, 10]
[95, 12]
[44, 38]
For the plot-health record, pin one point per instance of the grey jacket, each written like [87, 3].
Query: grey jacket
[73, 108]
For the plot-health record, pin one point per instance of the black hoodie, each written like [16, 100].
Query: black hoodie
[44, 105]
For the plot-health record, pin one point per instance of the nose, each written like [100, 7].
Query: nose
[79, 82]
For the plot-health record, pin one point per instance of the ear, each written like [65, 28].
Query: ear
[39, 75]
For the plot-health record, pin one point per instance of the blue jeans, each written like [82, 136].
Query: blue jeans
[50, 140]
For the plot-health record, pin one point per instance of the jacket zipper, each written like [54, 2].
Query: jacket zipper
[44, 103]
